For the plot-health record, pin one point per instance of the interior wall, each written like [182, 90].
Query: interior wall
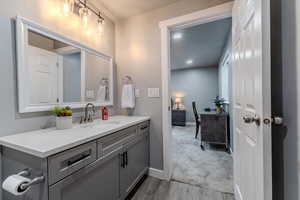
[138, 55]
[291, 96]
[47, 14]
[195, 84]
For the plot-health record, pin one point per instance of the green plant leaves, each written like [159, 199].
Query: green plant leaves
[62, 111]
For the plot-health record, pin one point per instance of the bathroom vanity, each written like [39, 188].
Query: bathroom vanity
[101, 160]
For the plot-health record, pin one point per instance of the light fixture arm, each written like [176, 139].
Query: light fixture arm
[84, 3]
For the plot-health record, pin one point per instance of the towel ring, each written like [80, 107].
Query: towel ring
[127, 80]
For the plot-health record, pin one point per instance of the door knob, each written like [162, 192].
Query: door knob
[275, 120]
[250, 120]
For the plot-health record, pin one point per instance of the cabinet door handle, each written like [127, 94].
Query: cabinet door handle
[126, 158]
[123, 160]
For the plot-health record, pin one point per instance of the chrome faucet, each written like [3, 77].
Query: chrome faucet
[87, 115]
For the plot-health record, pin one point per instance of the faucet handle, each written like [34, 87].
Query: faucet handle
[90, 118]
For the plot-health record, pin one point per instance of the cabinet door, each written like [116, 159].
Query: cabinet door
[99, 180]
[136, 165]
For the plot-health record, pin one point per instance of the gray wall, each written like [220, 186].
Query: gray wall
[11, 121]
[138, 55]
[195, 84]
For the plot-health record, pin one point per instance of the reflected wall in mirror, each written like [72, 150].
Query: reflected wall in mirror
[53, 70]
[97, 79]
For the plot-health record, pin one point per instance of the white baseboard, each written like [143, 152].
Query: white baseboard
[156, 173]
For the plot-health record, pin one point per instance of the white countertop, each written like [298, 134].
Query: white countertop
[46, 142]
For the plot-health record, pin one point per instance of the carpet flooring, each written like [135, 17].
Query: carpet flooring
[210, 169]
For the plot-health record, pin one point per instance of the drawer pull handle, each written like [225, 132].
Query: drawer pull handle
[81, 158]
[144, 127]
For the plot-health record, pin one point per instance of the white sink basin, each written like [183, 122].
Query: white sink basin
[98, 124]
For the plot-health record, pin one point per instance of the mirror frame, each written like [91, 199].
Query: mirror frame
[22, 27]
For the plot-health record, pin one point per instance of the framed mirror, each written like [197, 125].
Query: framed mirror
[56, 71]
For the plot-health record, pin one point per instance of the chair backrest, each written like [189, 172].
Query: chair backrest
[195, 111]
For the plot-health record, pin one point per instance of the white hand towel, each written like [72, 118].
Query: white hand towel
[128, 96]
[101, 93]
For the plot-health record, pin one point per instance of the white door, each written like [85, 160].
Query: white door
[252, 100]
[43, 69]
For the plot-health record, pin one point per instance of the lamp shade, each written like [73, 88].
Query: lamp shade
[178, 100]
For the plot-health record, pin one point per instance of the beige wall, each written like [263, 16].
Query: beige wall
[138, 55]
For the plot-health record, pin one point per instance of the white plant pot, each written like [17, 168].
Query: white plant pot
[64, 122]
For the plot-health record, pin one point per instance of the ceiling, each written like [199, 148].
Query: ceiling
[199, 46]
[128, 8]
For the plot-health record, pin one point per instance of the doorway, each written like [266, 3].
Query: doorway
[209, 15]
[201, 93]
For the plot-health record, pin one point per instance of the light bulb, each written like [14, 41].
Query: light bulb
[85, 20]
[84, 14]
[100, 26]
[68, 7]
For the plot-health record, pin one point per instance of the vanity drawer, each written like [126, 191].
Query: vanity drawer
[67, 162]
[111, 142]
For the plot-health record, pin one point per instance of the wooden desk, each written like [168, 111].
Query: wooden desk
[214, 128]
[178, 117]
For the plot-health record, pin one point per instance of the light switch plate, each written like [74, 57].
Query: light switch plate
[137, 93]
[153, 93]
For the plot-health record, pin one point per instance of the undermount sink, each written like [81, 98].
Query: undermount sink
[98, 123]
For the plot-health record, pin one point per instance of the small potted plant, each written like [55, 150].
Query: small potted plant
[219, 103]
[63, 117]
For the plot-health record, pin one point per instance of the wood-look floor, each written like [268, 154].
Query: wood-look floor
[155, 189]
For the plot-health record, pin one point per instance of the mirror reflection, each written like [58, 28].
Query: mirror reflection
[60, 73]
[97, 79]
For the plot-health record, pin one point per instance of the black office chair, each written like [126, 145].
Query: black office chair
[197, 118]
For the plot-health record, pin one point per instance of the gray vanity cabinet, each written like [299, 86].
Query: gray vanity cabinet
[100, 179]
[135, 161]
[107, 168]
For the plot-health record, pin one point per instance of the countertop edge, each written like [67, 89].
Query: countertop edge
[71, 145]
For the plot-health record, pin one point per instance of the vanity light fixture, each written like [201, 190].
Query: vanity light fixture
[100, 23]
[84, 14]
[84, 10]
[68, 6]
